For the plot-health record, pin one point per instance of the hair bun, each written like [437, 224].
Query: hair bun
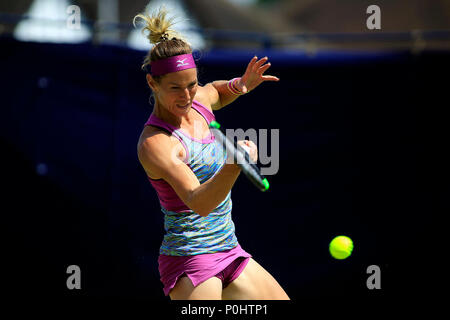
[167, 42]
[158, 25]
[164, 36]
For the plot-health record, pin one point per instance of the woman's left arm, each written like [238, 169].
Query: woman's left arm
[222, 92]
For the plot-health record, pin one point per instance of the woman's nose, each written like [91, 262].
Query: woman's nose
[186, 93]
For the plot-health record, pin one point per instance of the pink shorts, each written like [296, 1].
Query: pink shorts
[225, 265]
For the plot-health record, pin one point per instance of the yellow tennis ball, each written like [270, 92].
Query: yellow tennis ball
[341, 247]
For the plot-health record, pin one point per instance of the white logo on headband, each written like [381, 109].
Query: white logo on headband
[182, 63]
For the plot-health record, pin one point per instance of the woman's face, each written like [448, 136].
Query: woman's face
[176, 91]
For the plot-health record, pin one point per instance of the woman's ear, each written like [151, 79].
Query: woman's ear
[151, 82]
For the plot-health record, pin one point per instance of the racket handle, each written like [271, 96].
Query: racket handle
[242, 158]
[251, 170]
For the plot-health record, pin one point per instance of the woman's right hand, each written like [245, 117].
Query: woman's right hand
[251, 149]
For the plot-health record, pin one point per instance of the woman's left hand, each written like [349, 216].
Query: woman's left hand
[253, 76]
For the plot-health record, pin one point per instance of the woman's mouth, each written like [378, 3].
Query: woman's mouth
[183, 106]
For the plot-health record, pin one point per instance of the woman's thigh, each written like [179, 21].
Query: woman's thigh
[254, 283]
[210, 289]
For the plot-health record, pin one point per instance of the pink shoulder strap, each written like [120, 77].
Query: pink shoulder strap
[205, 112]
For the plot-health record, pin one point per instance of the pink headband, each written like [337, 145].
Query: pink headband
[172, 64]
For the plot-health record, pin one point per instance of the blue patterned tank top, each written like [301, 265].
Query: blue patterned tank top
[186, 232]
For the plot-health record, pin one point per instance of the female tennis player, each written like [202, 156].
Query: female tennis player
[200, 257]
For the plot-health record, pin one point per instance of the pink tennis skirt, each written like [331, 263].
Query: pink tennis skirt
[226, 265]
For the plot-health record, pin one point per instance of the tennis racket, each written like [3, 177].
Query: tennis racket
[241, 157]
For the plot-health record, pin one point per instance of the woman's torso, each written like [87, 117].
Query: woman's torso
[188, 233]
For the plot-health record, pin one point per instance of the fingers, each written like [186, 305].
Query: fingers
[260, 62]
[252, 63]
[251, 148]
[270, 78]
[260, 68]
[263, 68]
[253, 152]
[255, 63]
[250, 143]
[247, 143]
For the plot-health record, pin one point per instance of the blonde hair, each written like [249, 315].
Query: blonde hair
[167, 42]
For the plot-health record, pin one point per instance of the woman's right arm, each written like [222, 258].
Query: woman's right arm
[157, 155]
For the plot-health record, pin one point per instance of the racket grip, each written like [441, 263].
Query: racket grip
[241, 157]
[251, 171]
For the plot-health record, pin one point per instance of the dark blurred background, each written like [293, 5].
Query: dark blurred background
[362, 116]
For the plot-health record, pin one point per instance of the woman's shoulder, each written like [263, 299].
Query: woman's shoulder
[151, 135]
[155, 146]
